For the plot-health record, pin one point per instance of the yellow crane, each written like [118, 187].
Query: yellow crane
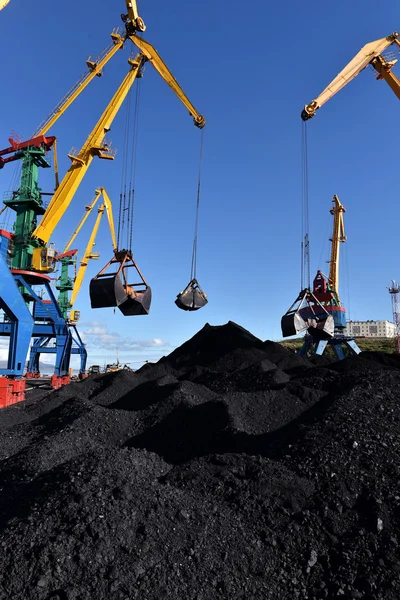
[95, 144]
[320, 311]
[105, 207]
[326, 288]
[338, 236]
[370, 54]
[68, 257]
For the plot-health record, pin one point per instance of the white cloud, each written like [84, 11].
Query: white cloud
[98, 338]
[101, 347]
[95, 331]
[155, 343]
[93, 323]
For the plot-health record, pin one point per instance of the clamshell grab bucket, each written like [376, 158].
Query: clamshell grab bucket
[192, 297]
[106, 291]
[322, 329]
[313, 317]
[136, 304]
[113, 289]
[292, 324]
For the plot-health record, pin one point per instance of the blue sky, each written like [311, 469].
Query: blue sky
[249, 70]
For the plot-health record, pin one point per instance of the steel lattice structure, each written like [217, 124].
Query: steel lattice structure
[394, 291]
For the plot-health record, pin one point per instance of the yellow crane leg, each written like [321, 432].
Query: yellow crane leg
[80, 163]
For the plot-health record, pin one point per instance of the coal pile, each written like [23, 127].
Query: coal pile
[232, 468]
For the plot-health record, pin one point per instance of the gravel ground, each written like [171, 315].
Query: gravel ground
[231, 469]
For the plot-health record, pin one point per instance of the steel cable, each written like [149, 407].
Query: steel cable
[194, 252]
[305, 246]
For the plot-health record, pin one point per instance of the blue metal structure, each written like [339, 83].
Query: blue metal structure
[18, 321]
[46, 345]
[336, 343]
[30, 310]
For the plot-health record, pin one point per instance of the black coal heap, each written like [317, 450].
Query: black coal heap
[231, 469]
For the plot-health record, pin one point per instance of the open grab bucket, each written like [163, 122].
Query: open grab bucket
[113, 289]
[314, 318]
[292, 324]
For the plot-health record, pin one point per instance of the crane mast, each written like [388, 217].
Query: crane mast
[338, 236]
[326, 288]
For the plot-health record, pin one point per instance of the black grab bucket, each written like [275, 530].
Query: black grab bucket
[106, 291]
[114, 289]
[192, 297]
[137, 304]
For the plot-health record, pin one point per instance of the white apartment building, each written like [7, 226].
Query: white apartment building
[371, 329]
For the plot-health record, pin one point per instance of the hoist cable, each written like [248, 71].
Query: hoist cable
[194, 252]
[324, 241]
[128, 172]
[124, 168]
[132, 175]
[347, 274]
[305, 214]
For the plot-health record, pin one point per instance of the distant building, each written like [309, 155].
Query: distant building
[371, 329]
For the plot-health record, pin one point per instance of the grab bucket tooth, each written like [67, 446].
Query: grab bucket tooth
[192, 298]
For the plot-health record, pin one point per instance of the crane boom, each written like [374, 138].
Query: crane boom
[152, 56]
[87, 256]
[110, 217]
[94, 146]
[370, 54]
[88, 210]
[106, 206]
[95, 69]
[338, 236]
